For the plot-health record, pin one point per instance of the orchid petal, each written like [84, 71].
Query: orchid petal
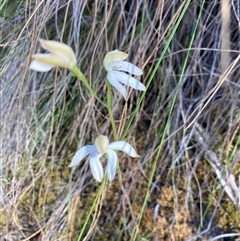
[129, 80]
[130, 68]
[81, 153]
[111, 164]
[96, 166]
[113, 80]
[40, 66]
[123, 146]
[60, 49]
[113, 56]
[52, 59]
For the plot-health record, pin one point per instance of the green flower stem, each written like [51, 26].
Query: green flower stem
[75, 70]
[109, 107]
[94, 205]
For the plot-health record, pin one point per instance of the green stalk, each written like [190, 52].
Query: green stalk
[109, 107]
[92, 207]
[75, 70]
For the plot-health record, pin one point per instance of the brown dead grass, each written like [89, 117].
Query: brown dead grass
[45, 118]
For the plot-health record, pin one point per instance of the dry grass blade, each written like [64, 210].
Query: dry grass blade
[46, 117]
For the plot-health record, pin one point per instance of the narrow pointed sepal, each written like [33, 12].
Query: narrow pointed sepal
[130, 68]
[40, 66]
[96, 166]
[129, 81]
[82, 153]
[113, 80]
[111, 164]
[123, 146]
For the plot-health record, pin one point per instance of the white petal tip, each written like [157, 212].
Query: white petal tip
[71, 165]
[40, 67]
[112, 78]
[98, 180]
[74, 163]
[110, 179]
[140, 72]
[139, 86]
[133, 154]
[142, 87]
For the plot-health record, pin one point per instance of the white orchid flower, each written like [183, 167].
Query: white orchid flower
[114, 64]
[101, 146]
[61, 55]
